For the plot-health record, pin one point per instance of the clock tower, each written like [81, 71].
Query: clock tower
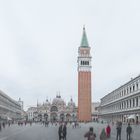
[84, 80]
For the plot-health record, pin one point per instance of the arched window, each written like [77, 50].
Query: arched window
[133, 102]
[130, 89]
[83, 62]
[130, 103]
[137, 86]
[133, 87]
[137, 101]
[127, 90]
[124, 92]
[127, 103]
[54, 108]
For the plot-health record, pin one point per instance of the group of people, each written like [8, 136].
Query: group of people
[75, 125]
[128, 131]
[21, 123]
[105, 133]
[3, 124]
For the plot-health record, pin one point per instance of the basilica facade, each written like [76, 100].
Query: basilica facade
[57, 110]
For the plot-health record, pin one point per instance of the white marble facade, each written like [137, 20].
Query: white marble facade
[122, 104]
[9, 108]
[57, 110]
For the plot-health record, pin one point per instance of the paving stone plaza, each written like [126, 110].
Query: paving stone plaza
[40, 132]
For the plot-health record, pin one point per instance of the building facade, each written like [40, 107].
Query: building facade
[95, 111]
[9, 108]
[84, 80]
[57, 110]
[122, 104]
[21, 103]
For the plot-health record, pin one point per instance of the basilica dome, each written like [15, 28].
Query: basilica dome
[58, 101]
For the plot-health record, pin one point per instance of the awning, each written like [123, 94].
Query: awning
[9, 119]
[131, 117]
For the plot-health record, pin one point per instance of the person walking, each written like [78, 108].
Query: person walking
[0, 126]
[62, 131]
[128, 132]
[90, 135]
[119, 128]
[65, 131]
[3, 124]
[73, 124]
[103, 135]
[108, 131]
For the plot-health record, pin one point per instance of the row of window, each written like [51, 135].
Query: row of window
[126, 104]
[121, 93]
[85, 63]
[8, 103]
[30, 114]
[9, 100]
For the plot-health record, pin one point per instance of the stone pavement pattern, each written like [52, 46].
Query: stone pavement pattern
[40, 132]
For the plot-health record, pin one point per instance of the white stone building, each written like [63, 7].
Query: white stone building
[55, 111]
[122, 104]
[21, 103]
[9, 108]
[31, 113]
[95, 111]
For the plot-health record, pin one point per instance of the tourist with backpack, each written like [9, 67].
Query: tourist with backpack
[90, 135]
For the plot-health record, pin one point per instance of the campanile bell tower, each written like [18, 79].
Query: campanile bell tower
[84, 80]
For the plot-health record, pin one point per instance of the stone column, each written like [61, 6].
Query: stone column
[139, 101]
[128, 103]
[135, 102]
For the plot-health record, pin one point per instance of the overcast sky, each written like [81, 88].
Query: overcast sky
[39, 42]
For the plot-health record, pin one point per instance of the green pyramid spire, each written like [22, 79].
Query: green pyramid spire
[84, 41]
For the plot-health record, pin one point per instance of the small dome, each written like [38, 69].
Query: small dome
[71, 103]
[47, 102]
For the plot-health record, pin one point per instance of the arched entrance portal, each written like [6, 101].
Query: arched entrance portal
[68, 117]
[46, 117]
[54, 111]
[53, 117]
[40, 117]
[62, 117]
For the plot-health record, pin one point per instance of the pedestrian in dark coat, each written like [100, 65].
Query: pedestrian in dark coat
[119, 128]
[62, 132]
[90, 135]
[128, 131]
[65, 131]
[0, 127]
[3, 124]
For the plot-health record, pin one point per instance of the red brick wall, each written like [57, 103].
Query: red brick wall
[84, 96]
